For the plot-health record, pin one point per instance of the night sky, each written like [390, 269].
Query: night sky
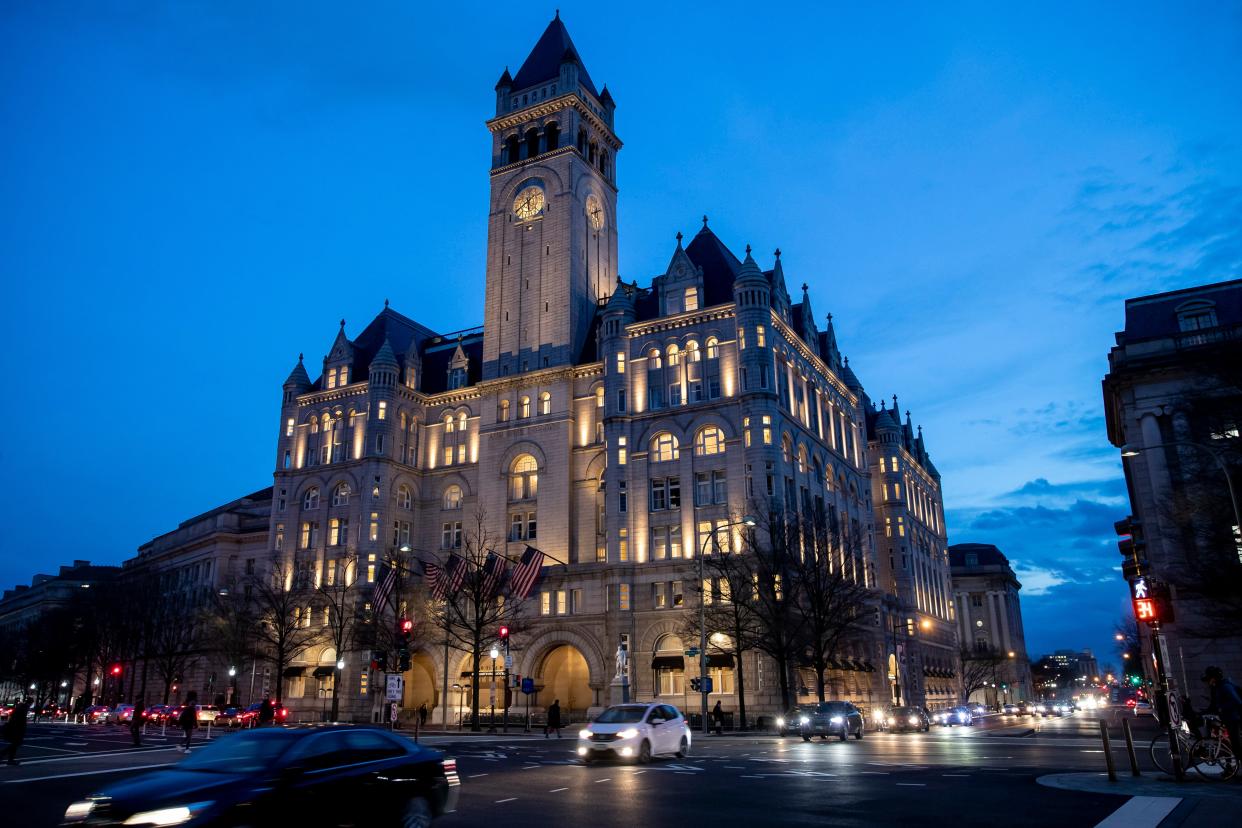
[192, 193]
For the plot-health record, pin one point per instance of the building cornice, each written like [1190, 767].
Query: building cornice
[811, 357]
[647, 327]
[570, 100]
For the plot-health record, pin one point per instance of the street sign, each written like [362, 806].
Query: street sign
[508, 661]
[528, 686]
[394, 712]
[692, 652]
[394, 688]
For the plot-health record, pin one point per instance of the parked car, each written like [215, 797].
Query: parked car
[635, 731]
[955, 716]
[206, 713]
[229, 717]
[1144, 708]
[121, 714]
[835, 718]
[906, 718]
[285, 777]
[279, 713]
[792, 719]
[156, 713]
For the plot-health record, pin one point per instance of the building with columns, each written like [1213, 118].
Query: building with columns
[618, 427]
[989, 618]
[1173, 407]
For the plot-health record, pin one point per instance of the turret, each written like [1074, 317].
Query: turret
[381, 389]
[504, 87]
[612, 341]
[297, 384]
[751, 294]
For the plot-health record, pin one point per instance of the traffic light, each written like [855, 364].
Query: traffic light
[1132, 547]
[504, 632]
[379, 660]
[116, 669]
[403, 660]
[695, 684]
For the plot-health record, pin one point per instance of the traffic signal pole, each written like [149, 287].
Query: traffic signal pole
[1162, 701]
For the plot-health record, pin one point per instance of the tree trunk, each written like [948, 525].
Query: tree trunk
[820, 669]
[741, 690]
[783, 667]
[336, 690]
[474, 683]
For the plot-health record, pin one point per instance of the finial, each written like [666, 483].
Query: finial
[805, 288]
[748, 250]
[299, 359]
[558, 14]
[778, 252]
[894, 402]
[847, 360]
[704, 221]
[920, 431]
[342, 324]
[385, 304]
[679, 238]
[907, 416]
[883, 405]
[830, 319]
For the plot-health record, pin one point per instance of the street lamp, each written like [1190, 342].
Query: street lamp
[232, 685]
[1131, 450]
[747, 520]
[495, 654]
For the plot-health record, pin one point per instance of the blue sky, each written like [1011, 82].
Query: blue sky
[193, 193]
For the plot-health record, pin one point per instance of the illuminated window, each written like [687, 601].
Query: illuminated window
[289, 427]
[664, 448]
[524, 407]
[449, 424]
[373, 528]
[674, 355]
[599, 397]
[383, 410]
[741, 338]
[524, 478]
[760, 338]
[308, 535]
[693, 354]
[452, 497]
[545, 603]
[503, 413]
[767, 429]
[338, 531]
[901, 526]
[545, 403]
[653, 359]
[623, 545]
[692, 298]
[713, 348]
[883, 466]
[280, 536]
[562, 602]
[623, 596]
[311, 499]
[404, 496]
[621, 453]
[620, 362]
[340, 495]
[710, 440]
[450, 535]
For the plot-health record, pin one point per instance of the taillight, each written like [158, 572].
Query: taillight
[450, 771]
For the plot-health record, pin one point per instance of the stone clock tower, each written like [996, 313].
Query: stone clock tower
[552, 231]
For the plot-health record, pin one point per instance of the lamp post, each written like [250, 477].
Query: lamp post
[336, 686]
[1131, 450]
[747, 520]
[495, 654]
[232, 685]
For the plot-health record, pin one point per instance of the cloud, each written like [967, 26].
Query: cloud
[1040, 487]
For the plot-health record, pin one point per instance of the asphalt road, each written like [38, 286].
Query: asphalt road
[970, 776]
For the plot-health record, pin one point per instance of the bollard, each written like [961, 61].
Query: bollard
[1108, 751]
[209, 730]
[1125, 728]
[164, 726]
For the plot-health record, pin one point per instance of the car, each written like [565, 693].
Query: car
[906, 718]
[280, 713]
[6, 710]
[1038, 709]
[635, 731]
[978, 710]
[1131, 702]
[233, 717]
[285, 776]
[1011, 710]
[789, 722]
[834, 718]
[1144, 708]
[95, 714]
[1062, 708]
[156, 713]
[955, 716]
[121, 714]
[206, 713]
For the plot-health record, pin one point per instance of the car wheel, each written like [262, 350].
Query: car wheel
[644, 752]
[586, 760]
[806, 738]
[416, 813]
[683, 749]
[844, 733]
[858, 735]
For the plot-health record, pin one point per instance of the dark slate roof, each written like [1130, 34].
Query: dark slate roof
[720, 266]
[988, 554]
[544, 62]
[436, 356]
[1155, 317]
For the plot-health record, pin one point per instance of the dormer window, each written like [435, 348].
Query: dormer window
[1196, 315]
[338, 377]
[692, 299]
[457, 378]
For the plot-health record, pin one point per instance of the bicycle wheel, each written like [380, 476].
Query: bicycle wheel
[1159, 752]
[1213, 760]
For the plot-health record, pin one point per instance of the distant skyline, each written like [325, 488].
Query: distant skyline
[194, 194]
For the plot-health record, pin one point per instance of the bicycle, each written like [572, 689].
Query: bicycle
[1159, 750]
[1212, 756]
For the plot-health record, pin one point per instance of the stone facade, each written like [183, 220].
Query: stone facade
[989, 618]
[1173, 405]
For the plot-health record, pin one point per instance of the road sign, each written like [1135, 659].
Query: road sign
[395, 712]
[528, 686]
[395, 687]
[692, 652]
[508, 661]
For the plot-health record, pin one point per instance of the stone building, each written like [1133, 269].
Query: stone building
[989, 619]
[1173, 406]
[619, 428]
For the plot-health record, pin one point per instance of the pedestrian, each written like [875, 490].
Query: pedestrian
[14, 731]
[422, 715]
[136, 721]
[267, 712]
[1225, 701]
[554, 720]
[188, 720]
[718, 718]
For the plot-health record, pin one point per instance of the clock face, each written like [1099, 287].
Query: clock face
[595, 212]
[529, 203]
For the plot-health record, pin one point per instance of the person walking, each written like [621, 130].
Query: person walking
[554, 720]
[14, 731]
[267, 711]
[188, 720]
[135, 722]
[1225, 701]
[718, 718]
[422, 715]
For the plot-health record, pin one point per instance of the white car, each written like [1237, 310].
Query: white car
[635, 731]
[1144, 708]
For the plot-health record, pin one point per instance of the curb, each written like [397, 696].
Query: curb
[1161, 785]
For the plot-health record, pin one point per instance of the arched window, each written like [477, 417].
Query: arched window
[461, 422]
[532, 142]
[340, 495]
[802, 465]
[710, 440]
[524, 408]
[692, 298]
[599, 397]
[511, 150]
[452, 497]
[448, 423]
[692, 351]
[404, 498]
[674, 355]
[664, 447]
[787, 449]
[653, 359]
[545, 403]
[311, 499]
[524, 478]
[713, 348]
[503, 414]
[582, 139]
[552, 134]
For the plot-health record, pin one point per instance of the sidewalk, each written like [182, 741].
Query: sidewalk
[1155, 784]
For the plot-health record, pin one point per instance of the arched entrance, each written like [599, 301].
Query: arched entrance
[421, 686]
[565, 676]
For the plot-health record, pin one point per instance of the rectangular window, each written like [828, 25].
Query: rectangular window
[531, 534]
[623, 498]
[623, 545]
[289, 427]
[517, 522]
[575, 601]
[338, 531]
[562, 602]
[329, 572]
[545, 603]
[623, 597]
[759, 336]
[674, 393]
[280, 536]
[373, 528]
[659, 496]
[674, 492]
[450, 535]
[741, 338]
[707, 591]
[678, 596]
[659, 597]
[620, 400]
[767, 429]
[383, 410]
[659, 543]
[901, 526]
[719, 487]
[674, 541]
[888, 527]
[620, 362]
[621, 451]
[702, 489]
[310, 530]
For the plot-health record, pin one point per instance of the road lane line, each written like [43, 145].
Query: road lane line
[748, 776]
[962, 775]
[913, 784]
[558, 790]
[605, 779]
[476, 775]
[1141, 812]
[502, 801]
[85, 773]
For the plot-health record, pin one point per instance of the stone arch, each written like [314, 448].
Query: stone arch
[651, 636]
[540, 174]
[337, 479]
[522, 447]
[404, 479]
[307, 483]
[455, 478]
[537, 651]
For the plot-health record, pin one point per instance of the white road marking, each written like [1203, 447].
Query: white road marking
[502, 801]
[874, 773]
[528, 767]
[748, 776]
[1141, 812]
[962, 775]
[476, 775]
[605, 779]
[85, 773]
[735, 767]
[636, 773]
[558, 790]
[913, 784]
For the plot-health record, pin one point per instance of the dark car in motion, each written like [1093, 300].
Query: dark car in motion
[791, 721]
[906, 718]
[283, 776]
[835, 718]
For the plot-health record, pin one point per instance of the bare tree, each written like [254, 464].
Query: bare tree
[231, 628]
[774, 593]
[339, 595]
[980, 668]
[282, 614]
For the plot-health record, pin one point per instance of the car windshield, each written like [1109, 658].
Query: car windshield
[244, 753]
[831, 707]
[622, 714]
[905, 711]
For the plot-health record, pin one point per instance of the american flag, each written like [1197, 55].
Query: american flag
[493, 573]
[526, 573]
[384, 588]
[433, 576]
[454, 574]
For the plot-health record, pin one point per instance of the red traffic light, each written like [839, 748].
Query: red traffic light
[504, 631]
[407, 625]
[116, 669]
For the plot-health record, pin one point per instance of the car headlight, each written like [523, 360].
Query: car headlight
[804, 720]
[628, 733]
[584, 733]
[780, 721]
[176, 815]
[914, 720]
[836, 720]
[890, 720]
[79, 811]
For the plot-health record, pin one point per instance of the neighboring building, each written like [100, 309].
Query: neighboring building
[1065, 672]
[1173, 405]
[989, 618]
[616, 427]
[23, 606]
